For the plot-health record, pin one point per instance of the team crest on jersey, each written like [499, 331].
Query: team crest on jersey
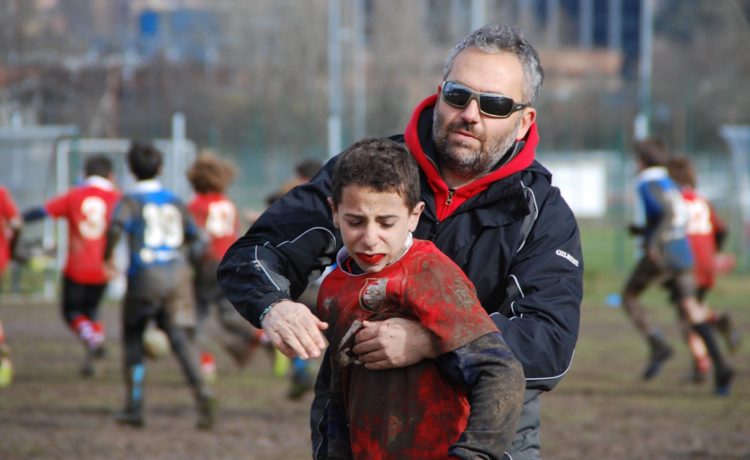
[372, 295]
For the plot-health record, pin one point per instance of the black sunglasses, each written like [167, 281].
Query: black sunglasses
[491, 104]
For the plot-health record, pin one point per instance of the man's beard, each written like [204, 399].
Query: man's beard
[475, 163]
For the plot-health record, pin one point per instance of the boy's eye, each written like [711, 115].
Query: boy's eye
[387, 224]
[354, 223]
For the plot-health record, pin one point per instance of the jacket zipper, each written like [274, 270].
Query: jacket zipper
[449, 200]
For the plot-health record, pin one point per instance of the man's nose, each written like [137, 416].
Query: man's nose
[471, 113]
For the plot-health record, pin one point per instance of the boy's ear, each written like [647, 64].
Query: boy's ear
[335, 211]
[414, 216]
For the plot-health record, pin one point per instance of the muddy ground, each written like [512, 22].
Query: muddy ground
[600, 411]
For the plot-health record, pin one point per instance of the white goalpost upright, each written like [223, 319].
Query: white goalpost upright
[178, 152]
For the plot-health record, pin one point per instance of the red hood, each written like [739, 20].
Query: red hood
[521, 161]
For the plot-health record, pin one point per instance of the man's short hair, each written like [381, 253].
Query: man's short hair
[682, 171]
[382, 165]
[97, 165]
[144, 160]
[651, 151]
[497, 38]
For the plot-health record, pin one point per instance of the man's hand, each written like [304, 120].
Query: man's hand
[395, 342]
[294, 330]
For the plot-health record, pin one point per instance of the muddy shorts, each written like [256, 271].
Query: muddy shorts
[152, 290]
[647, 272]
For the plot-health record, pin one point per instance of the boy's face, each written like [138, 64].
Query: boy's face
[374, 225]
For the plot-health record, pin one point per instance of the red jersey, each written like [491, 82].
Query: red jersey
[217, 216]
[413, 412]
[8, 212]
[703, 224]
[88, 209]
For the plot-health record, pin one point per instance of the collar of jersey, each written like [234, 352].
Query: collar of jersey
[343, 255]
[99, 182]
[148, 185]
[652, 173]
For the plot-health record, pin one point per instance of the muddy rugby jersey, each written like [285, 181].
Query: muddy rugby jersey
[217, 216]
[702, 228]
[157, 224]
[8, 212]
[88, 209]
[418, 411]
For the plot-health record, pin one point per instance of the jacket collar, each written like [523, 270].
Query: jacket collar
[418, 138]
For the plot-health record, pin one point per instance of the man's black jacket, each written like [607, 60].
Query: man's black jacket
[517, 241]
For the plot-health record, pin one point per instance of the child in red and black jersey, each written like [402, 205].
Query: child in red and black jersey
[10, 230]
[216, 216]
[87, 208]
[463, 403]
[707, 233]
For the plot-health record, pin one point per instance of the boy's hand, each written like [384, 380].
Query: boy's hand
[110, 269]
[392, 343]
[294, 330]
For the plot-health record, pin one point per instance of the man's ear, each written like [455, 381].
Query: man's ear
[335, 211]
[527, 119]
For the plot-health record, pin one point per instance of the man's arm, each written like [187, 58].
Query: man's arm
[288, 247]
[496, 387]
[544, 287]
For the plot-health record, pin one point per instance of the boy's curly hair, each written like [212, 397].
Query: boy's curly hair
[382, 165]
[652, 151]
[682, 171]
[210, 173]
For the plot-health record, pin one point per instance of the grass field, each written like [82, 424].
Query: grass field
[601, 410]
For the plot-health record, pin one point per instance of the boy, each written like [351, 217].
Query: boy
[158, 227]
[10, 230]
[667, 257]
[707, 233]
[216, 215]
[447, 406]
[87, 208]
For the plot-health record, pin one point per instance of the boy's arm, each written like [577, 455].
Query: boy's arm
[196, 240]
[117, 224]
[36, 213]
[16, 226]
[495, 383]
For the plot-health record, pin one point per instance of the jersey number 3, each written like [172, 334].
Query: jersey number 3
[94, 221]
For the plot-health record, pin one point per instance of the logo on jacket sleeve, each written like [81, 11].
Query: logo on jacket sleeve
[372, 295]
[567, 257]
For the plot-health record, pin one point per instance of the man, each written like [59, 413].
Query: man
[489, 206]
[87, 208]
